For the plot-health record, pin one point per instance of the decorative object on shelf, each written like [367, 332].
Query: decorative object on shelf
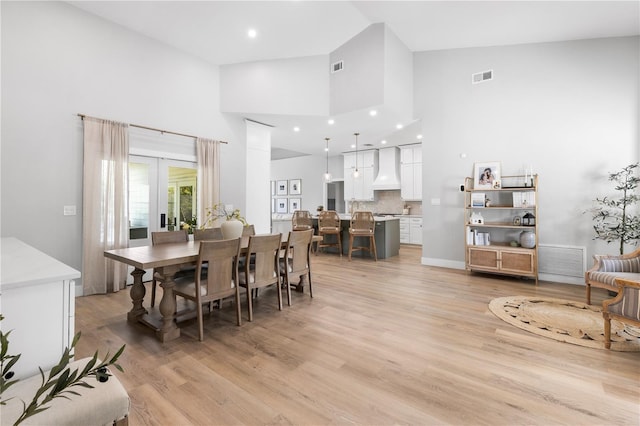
[528, 219]
[320, 208]
[233, 224]
[327, 175]
[295, 187]
[476, 219]
[497, 184]
[356, 173]
[478, 199]
[485, 174]
[517, 221]
[487, 202]
[406, 209]
[281, 187]
[528, 239]
[613, 218]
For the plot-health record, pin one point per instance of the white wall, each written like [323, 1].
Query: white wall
[311, 170]
[258, 199]
[58, 61]
[569, 109]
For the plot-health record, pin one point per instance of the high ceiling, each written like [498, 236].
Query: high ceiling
[216, 31]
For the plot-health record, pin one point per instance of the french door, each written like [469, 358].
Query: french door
[162, 197]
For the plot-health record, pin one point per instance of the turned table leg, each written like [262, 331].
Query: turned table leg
[137, 293]
[168, 330]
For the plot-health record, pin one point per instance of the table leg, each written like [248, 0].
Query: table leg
[169, 330]
[137, 293]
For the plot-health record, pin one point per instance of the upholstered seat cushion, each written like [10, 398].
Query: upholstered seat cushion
[609, 278]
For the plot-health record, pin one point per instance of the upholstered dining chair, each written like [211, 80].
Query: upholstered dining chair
[625, 307]
[301, 220]
[363, 225]
[264, 268]
[296, 262]
[329, 224]
[165, 237]
[219, 282]
[207, 234]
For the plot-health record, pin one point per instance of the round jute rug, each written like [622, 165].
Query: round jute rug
[564, 320]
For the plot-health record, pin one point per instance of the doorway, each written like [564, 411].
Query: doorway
[335, 196]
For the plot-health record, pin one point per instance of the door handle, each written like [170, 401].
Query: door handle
[163, 220]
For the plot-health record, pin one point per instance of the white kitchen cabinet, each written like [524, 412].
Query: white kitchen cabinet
[360, 188]
[411, 172]
[37, 296]
[411, 230]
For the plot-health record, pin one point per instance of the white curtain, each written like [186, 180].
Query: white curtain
[105, 223]
[208, 152]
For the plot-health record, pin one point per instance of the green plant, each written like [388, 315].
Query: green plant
[60, 380]
[615, 218]
[219, 211]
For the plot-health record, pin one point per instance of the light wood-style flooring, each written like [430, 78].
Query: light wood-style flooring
[381, 343]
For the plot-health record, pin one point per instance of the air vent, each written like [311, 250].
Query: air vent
[481, 77]
[337, 66]
[368, 144]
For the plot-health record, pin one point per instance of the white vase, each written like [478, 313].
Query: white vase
[231, 229]
[528, 239]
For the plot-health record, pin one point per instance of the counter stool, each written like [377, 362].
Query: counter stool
[362, 225]
[329, 224]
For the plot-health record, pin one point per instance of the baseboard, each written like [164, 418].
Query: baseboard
[442, 263]
[563, 279]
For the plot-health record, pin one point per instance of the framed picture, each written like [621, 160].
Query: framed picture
[485, 175]
[281, 205]
[294, 187]
[294, 204]
[281, 187]
[273, 188]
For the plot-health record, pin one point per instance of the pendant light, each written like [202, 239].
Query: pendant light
[356, 173]
[327, 175]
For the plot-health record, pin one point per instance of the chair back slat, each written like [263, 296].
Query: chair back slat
[328, 219]
[207, 234]
[298, 251]
[248, 230]
[167, 237]
[221, 259]
[301, 220]
[264, 249]
[362, 221]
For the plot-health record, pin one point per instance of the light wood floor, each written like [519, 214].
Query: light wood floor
[392, 342]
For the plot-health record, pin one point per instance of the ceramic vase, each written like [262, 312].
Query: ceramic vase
[231, 229]
[528, 239]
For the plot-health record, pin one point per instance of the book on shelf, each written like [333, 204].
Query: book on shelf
[477, 199]
[524, 199]
[482, 238]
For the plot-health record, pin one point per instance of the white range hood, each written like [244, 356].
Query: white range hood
[388, 169]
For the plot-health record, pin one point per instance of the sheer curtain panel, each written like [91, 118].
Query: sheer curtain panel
[208, 152]
[105, 224]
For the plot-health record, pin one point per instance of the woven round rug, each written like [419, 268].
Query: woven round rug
[566, 321]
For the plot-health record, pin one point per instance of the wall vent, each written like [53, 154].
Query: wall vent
[337, 66]
[562, 261]
[481, 77]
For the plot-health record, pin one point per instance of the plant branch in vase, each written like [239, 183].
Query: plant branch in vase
[232, 224]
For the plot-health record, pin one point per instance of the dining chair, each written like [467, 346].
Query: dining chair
[165, 237]
[301, 220]
[362, 225]
[296, 262]
[248, 231]
[219, 281]
[207, 234]
[329, 224]
[264, 268]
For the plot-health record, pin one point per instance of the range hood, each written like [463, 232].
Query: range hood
[388, 169]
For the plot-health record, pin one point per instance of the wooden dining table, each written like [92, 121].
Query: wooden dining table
[168, 260]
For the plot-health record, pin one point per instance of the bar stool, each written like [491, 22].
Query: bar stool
[301, 220]
[362, 225]
[329, 224]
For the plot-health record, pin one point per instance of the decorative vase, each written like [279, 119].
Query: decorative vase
[231, 229]
[528, 239]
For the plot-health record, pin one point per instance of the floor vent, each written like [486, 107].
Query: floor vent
[481, 77]
[562, 261]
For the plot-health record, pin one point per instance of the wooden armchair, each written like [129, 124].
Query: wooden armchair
[625, 307]
[608, 268]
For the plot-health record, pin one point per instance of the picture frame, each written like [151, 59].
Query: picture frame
[281, 187]
[281, 205]
[294, 204]
[485, 174]
[295, 187]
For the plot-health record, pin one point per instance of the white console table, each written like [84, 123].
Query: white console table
[37, 301]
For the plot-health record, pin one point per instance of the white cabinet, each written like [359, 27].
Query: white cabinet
[37, 296]
[360, 188]
[411, 230]
[411, 172]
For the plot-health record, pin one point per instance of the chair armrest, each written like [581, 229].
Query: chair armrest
[617, 263]
[622, 284]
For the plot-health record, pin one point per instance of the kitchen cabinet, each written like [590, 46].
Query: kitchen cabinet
[360, 188]
[411, 172]
[37, 293]
[411, 230]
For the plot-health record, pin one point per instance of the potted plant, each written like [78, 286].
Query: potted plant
[232, 224]
[616, 218]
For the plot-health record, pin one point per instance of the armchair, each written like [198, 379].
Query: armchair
[607, 268]
[625, 307]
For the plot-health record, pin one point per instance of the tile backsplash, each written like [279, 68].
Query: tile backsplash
[388, 202]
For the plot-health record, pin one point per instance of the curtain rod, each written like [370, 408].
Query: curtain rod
[82, 116]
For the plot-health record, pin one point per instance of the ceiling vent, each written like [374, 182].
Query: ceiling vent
[337, 66]
[481, 77]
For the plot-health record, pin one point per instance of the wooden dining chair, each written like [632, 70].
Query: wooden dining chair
[207, 234]
[296, 262]
[248, 231]
[219, 282]
[363, 225]
[165, 237]
[329, 224]
[301, 220]
[264, 269]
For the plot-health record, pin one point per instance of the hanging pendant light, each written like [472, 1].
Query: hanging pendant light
[356, 173]
[327, 175]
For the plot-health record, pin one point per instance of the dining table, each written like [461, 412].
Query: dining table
[167, 260]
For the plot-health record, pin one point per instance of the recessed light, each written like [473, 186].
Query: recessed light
[331, 121]
[373, 113]
[399, 126]
[419, 137]
[383, 142]
[296, 129]
[252, 33]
